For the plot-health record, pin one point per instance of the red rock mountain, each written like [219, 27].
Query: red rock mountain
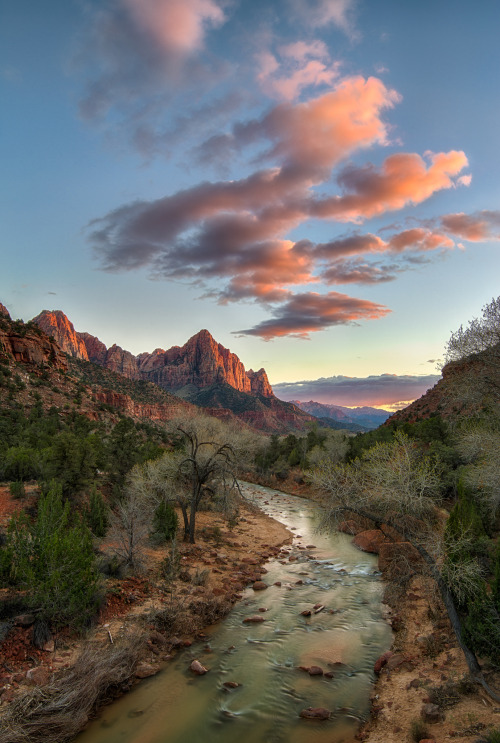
[57, 325]
[201, 362]
[202, 372]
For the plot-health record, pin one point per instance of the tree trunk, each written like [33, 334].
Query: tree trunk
[192, 520]
[185, 519]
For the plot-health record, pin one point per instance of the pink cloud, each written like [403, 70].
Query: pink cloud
[317, 134]
[310, 312]
[179, 26]
[287, 87]
[402, 179]
[477, 227]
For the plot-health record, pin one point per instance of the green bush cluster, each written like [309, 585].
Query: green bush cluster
[52, 559]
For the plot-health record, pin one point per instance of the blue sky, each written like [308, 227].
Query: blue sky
[314, 181]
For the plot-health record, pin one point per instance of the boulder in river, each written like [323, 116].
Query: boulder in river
[259, 585]
[315, 671]
[315, 713]
[256, 619]
[197, 668]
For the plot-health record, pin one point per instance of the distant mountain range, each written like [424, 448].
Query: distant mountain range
[353, 419]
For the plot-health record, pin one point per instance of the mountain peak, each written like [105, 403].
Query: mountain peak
[56, 324]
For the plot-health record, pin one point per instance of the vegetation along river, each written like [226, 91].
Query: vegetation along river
[344, 639]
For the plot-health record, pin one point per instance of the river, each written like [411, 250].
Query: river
[344, 639]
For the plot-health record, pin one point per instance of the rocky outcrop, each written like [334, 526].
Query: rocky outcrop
[201, 371]
[122, 362]
[26, 344]
[96, 350]
[56, 325]
[4, 312]
[259, 383]
[201, 362]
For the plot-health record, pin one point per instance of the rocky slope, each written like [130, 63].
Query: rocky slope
[200, 362]
[467, 387]
[33, 367]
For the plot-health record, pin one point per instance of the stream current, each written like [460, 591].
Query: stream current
[345, 638]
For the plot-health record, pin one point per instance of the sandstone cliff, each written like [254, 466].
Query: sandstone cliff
[201, 371]
[26, 344]
[56, 324]
[201, 362]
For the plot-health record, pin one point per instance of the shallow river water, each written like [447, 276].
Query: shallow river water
[345, 638]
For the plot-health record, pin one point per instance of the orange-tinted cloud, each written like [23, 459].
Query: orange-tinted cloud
[232, 237]
[403, 179]
[310, 312]
[477, 227]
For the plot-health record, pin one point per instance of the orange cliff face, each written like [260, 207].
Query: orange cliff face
[56, 324]
[201, 362]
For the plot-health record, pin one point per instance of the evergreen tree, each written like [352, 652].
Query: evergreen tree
[165, 522]
[53, 561]
[97, 513]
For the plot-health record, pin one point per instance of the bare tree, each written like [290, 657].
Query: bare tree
[205, 464]
[481, 334]
[394, 484]
[130, 524]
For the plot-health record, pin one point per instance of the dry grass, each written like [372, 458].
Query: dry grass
[56, 712]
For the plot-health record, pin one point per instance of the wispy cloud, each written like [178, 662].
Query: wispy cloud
[137, 55]
[320, 13]
[388, 390]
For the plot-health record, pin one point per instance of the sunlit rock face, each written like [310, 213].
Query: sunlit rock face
[201, 371]
[56, 324]
[201, 362]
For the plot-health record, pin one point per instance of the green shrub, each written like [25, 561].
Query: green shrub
[165, 522]
[17, 489]
[418, 730]
[170, 566]
[482, 626]
[53, 560]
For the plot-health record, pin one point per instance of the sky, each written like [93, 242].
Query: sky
[313, 181]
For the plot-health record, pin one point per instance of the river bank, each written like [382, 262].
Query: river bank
[425, 666]
[211, 575]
